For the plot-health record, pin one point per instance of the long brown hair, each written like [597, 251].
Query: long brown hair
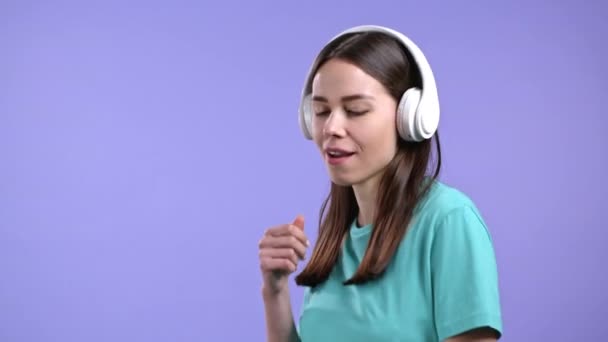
[405, 179]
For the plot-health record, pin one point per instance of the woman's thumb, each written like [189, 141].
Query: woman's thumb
[299, 222]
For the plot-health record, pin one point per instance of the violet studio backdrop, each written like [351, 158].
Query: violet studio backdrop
[145, 146]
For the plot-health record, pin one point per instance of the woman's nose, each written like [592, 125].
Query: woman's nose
[334, 125]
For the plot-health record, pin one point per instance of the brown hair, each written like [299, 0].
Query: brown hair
[404, 182]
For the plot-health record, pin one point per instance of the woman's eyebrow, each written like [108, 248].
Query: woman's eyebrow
[344, 98]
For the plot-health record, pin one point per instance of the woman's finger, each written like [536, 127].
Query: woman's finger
[285, 253]
[277, 264]
[285, 241]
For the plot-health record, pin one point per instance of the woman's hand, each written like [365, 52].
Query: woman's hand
[281, 249]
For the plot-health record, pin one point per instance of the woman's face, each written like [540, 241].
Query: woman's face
[353, 123]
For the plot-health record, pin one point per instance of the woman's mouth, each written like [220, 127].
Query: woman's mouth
[336, 157]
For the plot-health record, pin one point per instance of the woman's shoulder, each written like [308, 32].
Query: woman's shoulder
[443, 199]
[442, 196]
[448, 213]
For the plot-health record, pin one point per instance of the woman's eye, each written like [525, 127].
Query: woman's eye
[325, 112]
[356, 112]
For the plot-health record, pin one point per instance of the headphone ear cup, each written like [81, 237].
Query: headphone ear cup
[306, 117]
[427, 119]
[407, 112]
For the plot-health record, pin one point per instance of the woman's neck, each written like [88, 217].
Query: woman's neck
[366, 193]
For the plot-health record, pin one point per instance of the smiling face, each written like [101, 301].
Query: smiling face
[353, 123]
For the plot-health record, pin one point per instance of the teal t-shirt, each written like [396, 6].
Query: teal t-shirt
[442, 281]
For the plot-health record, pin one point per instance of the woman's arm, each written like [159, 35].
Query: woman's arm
[281, 248]
[477, 335]
[280, 326]
[465, 279]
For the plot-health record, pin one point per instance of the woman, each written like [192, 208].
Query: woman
[400, 256]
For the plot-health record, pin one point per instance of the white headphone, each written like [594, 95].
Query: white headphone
[418, 109]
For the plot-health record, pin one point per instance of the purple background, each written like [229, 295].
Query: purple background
[145, 146]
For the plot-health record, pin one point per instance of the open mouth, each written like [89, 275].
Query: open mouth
[337, 157]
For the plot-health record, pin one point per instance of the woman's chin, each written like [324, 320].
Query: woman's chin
[341, 181]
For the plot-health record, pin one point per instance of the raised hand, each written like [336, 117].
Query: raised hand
[281, 249]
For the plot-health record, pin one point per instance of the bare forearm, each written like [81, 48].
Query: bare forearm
[280, 326]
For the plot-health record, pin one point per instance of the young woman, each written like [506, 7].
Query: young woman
[400, 256]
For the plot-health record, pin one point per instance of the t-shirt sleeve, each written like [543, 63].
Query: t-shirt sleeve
[305, 299]
[464, 275]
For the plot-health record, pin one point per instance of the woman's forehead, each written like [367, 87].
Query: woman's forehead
[338, 78]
